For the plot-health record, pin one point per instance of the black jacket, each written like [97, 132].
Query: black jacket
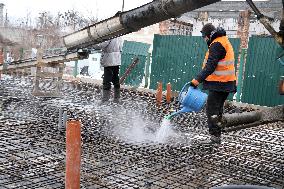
[216, 53]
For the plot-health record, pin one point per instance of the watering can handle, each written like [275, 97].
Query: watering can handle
[179, 97]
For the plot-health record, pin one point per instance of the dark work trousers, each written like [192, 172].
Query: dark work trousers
[214, 106]
[111, 75]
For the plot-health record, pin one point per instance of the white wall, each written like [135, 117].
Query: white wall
[231, 26]
[95, 69]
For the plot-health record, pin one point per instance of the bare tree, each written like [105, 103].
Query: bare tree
[51, 27]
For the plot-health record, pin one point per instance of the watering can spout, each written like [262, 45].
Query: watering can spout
[169, 117]
[183, 110]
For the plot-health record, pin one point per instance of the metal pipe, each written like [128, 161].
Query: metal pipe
[122, 8]
[75, 70]
[158, 11]
[73, 155]
[169, 93]
[255, 9]
[129, 69]
[60, 118]
[64, 119]
[159, 93]
[265, 22]
[130, 21]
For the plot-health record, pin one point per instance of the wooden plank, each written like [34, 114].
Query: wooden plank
[48, 61]
[48, 74]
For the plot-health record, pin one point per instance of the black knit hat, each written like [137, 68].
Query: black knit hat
[207, 29]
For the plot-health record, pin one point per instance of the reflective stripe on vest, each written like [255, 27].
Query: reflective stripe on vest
[226, 63]
[225, 70]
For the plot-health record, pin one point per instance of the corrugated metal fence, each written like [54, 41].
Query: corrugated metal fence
[262, 73]
[130, 50]
[175, 60]
[178, 59]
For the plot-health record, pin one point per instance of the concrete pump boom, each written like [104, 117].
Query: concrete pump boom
[278, 36]
[156, 11]
[130, 21]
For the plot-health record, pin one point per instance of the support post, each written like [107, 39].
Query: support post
[60, 76]
[60, 118]
[147, 70]
[240, 75]
[64, 119]
[73, 154]
[21, 53]
[75, 70]
[169, 93]
[159, 94]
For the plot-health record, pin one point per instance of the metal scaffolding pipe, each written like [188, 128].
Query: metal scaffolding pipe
[132, 20]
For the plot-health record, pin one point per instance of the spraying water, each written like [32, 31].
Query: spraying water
[191, 99]
[137, 132]
[164, 131]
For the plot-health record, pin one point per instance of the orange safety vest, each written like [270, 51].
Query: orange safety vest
[225, 70]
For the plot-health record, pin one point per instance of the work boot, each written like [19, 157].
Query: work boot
[106, 95]
[215, 139]
[218, 120]
[212, 141]
[116, 98]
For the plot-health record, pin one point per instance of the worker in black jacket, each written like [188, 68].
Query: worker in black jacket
[217, 75]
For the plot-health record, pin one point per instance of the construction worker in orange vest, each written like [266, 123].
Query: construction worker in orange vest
[217, 75]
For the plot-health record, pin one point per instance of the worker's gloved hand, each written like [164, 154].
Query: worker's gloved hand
[194, 83]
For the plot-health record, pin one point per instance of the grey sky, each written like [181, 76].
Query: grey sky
[101, 8]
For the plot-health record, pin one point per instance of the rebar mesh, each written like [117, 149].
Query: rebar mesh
[118, 143]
